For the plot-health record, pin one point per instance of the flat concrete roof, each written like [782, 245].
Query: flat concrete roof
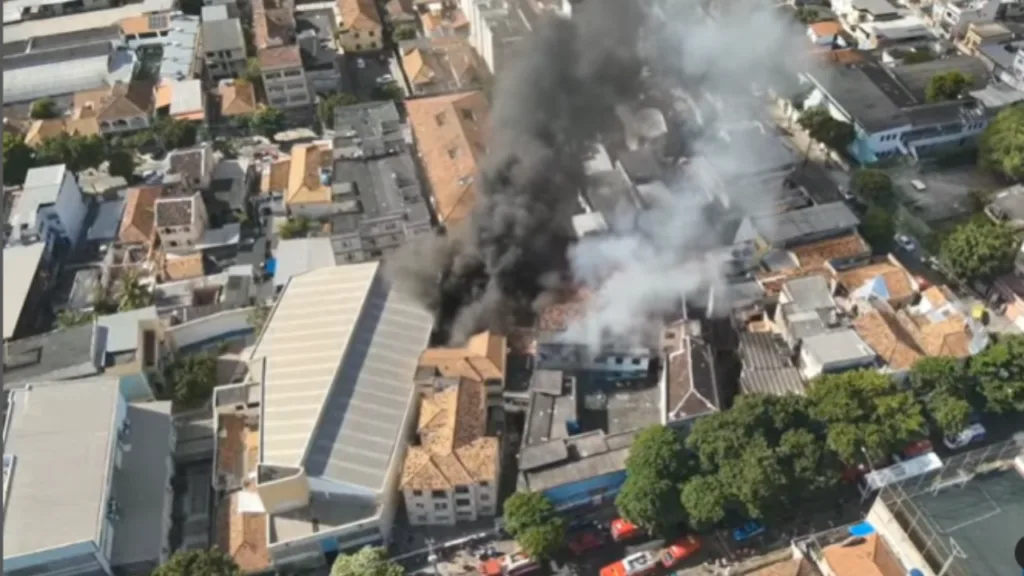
[60, 437]
[341, 350]
[20, 266]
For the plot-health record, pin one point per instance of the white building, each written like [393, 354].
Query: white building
[284, 79]
[451, 471]
[223, 43]
[50, 207]
[181, 221]
[954, 17]
[86, 480]
[336, 361]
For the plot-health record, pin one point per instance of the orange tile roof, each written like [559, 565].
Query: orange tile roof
[137, 223]
[42, 130]
[231, 445]
[870, 557]
[792, 567]
[243, 535]
[118, 102]
[882, 331]
[840, 57]
[453, 447]
[278, 57]
[482, 358]
[448, 61]
[142, 24]
[843, 247]
[359, 15]
[826, 28]
[900, 283]
[164, 93]
[304, 184]
[451, 132]
[237, 98]
[451, 21]
[274, 178]
[557, 317]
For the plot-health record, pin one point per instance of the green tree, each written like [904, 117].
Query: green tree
[1001, 147]
[390, 91]
[76, 151]
[873, 186]
[941, 384]
[43, 109]
[866, 414]
[1000, 373]
[295, 228]
[951, 85]
[808, 15]
[531, 519]
[132, 293]
[878, 227]
[210, 562]
[763, 456]
[705, 500]
[824, 128]
[918, 56]
[122, 163]
[18, 159]
[69, 318]
[656, 468]
[252, 71]
[366, 562]
[980, 250]
[190, 378]
[171, 133]
[404, 33]
[267, 121]
[326, 107]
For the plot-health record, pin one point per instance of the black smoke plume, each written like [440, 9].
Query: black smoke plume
[552, 101]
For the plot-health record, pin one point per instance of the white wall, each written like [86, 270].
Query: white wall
[207, 328]
[70, 207]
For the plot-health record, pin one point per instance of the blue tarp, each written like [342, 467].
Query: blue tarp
[862, 530]
[271, 266]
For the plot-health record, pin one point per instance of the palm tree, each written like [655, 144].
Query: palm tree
[133, 293]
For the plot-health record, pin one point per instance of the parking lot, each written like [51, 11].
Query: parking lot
[946, 194]
[362, 72]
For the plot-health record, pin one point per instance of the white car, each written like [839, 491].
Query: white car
[385, 79]
[918, 185]
[973, 433]
[360, 63]
[905, 242]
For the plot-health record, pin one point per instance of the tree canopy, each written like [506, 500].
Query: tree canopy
[531, 519]
[980, 250]
[825, 128]
[873, 186]
[210, 562]
[267, 121]
[950, 85]
[656, 468]
[327, 106]
[878, 228]
[76, 151]
[759, 458]
[190, 378]
[122, 163]
[132, 293]
[295, 228]
[943, 387]
[367, 562]
[1000, 373]
[18, 159]
[43, 109]
[866, 414]
[1001, 147]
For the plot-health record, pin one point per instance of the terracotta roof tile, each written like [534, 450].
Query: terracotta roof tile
[871, 557]
[841, 248]
[898, 281]
[274, 178]
[453, 446]
[273, 22]
[881, 330]
[450, 133]
[118, 102]
[42, 130]
[792, 567]
[243, 535]
[183, 267]
[482, 358]
[826, 28]
[138, 221]
[558, 317]
[237, 98]
[444, 63]
[359, 15]
[278, 57]
[304, 184]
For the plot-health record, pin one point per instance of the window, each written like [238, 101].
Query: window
[172, 244]
[421, 518]
[462, 489]
[440, 505]
[417, 493]
[468, 115]
[358, 46]
[355, 35]
[619, 360]
[370, 33]
[462, 502]
[636, 361]
[438, 494]
[439, 119]
[484, 497]
[484, 484]
[419, 505]
[453, 153]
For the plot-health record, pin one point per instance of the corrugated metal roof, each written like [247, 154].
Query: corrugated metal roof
[341, 350]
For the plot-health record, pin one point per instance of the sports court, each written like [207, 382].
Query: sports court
[984, 517]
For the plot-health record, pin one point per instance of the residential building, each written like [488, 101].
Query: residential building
[284, 79]
[360, 29]
[401, 13]
[451, 135]
[194, 165]
[953, 17]
[118, 109]
[798, 227]
[826, 33]
[42, 130]
[443, 64]
[36, 68]
[483, 359]
[981, 33]
[174, 36]
[139, 217]
[888, 110]
[327, 470]
[444, 21]
[237, 99]
[767, 366]
[496, 27]
[834, 351]
[273, 23]
[180, 221]
[806, 308]
[884, 280]
[183, 100]
[115, 509]
[233, 180]
[821, 257]
[451, 471]
[297, 256]
[50, 208]
[1007, 207]
[689, 377]
[27, 284]
[223, 43]
[317, 40]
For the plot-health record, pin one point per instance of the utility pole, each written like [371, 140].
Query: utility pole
[432, 557]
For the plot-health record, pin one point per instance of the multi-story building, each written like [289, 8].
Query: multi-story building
[284, 79]
[495, 27]
[451, 469]
[50, 208]
[360, 29]
[180, 221]
[104, 465]
[223, 43]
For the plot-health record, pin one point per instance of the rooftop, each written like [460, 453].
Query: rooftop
[359, 15]
[139, 218]
[371, 128]
[445, 64]
[869, 556]
[690, 373]
[296, 256]
[483, 358]
[881, 330]
[279, 57]
[54, 428]
[223, 35]
[809, 223]
[582, 457]
[453, 447]
[837, 346]
[106, 222]
[886, 279]
[79, 21]
[123, 328]
[20, 266]
[65, 354]
[237, 98]
[767, 366]
[341, 350]
[450, 133]
[809, 293]
[306, 181]
[41, 188]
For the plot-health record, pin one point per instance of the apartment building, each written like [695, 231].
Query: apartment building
[284, 80]
[223, 43]
[181, 220]
[360, 29]
[451, 469]
[50, 207]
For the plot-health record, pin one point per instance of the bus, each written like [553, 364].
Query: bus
[639, 564]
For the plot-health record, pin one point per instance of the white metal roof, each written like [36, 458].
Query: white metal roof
[20, 266]
[341, 350]
[296, 256]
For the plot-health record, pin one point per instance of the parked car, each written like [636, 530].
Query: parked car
[918, 185]
[680, 550]
[623, 530]
[385, 79]
[747, 531]
[637, 564]
[975, 432]
[905, 242]
[360, 63]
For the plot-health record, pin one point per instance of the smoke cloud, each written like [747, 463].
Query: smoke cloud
[517, 252]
